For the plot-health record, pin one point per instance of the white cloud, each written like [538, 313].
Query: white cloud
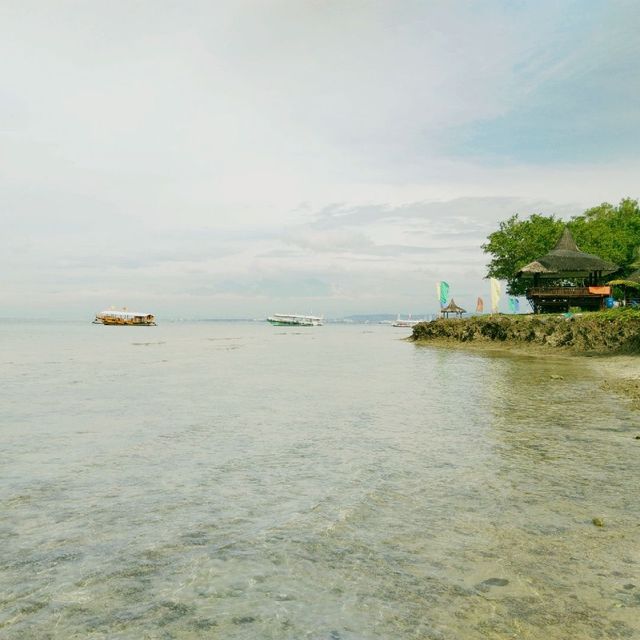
[186, 155]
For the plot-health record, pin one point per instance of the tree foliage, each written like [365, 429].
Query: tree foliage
[612, 233]
[518, 242]
[608, 231]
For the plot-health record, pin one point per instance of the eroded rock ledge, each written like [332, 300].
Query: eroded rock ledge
[609, 332]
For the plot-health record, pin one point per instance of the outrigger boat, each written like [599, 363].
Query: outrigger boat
[292, 320]
[398, 322]
[125, 318]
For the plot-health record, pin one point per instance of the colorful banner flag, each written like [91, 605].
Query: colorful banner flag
[495, 295]
[514, 305]
[443, 292]
[480, 305]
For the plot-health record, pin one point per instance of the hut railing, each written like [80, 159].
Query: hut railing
[564, 292]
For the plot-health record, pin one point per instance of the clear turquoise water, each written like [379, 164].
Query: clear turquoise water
[209, 480]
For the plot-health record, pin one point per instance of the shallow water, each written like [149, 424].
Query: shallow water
[211, 480]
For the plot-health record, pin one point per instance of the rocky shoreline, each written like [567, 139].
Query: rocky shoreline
[605, 333]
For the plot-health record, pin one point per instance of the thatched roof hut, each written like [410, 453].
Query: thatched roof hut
[567, 277]
[632, 280]
[452, 307]
[565, 260]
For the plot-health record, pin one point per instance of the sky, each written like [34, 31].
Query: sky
[239, 158]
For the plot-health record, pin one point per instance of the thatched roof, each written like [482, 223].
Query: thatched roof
[632, 280]
[452, 307]
[634, 277]
[625, 283]
[565, 259]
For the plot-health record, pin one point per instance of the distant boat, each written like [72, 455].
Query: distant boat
[407, 324]
[125, 318]
[293, 320]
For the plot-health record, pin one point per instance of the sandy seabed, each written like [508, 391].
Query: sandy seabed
[619, 374]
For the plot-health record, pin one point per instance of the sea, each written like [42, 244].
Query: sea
[243, 481]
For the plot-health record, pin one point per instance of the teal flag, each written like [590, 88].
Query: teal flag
[443, 292]
[514, 305]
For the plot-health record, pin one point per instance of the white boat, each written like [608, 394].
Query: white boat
[125, 318]
[293, 320]
[407, 324]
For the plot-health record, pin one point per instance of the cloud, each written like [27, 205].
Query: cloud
[331, 241]
[578, 95]
[441, 216]
[210, 155]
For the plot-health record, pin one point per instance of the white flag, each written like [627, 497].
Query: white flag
[495, 295]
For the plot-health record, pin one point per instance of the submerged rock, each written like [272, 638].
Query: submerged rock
[492, 582]
[496, 582]
[243, 620]
[599, 522]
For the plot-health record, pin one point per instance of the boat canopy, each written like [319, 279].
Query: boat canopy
[293, 315]
[125, 315]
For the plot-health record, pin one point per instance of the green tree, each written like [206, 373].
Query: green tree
[518, 242]
[608, 231]
[612, 233]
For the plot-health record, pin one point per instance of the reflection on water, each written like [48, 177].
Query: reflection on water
[233, 481]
